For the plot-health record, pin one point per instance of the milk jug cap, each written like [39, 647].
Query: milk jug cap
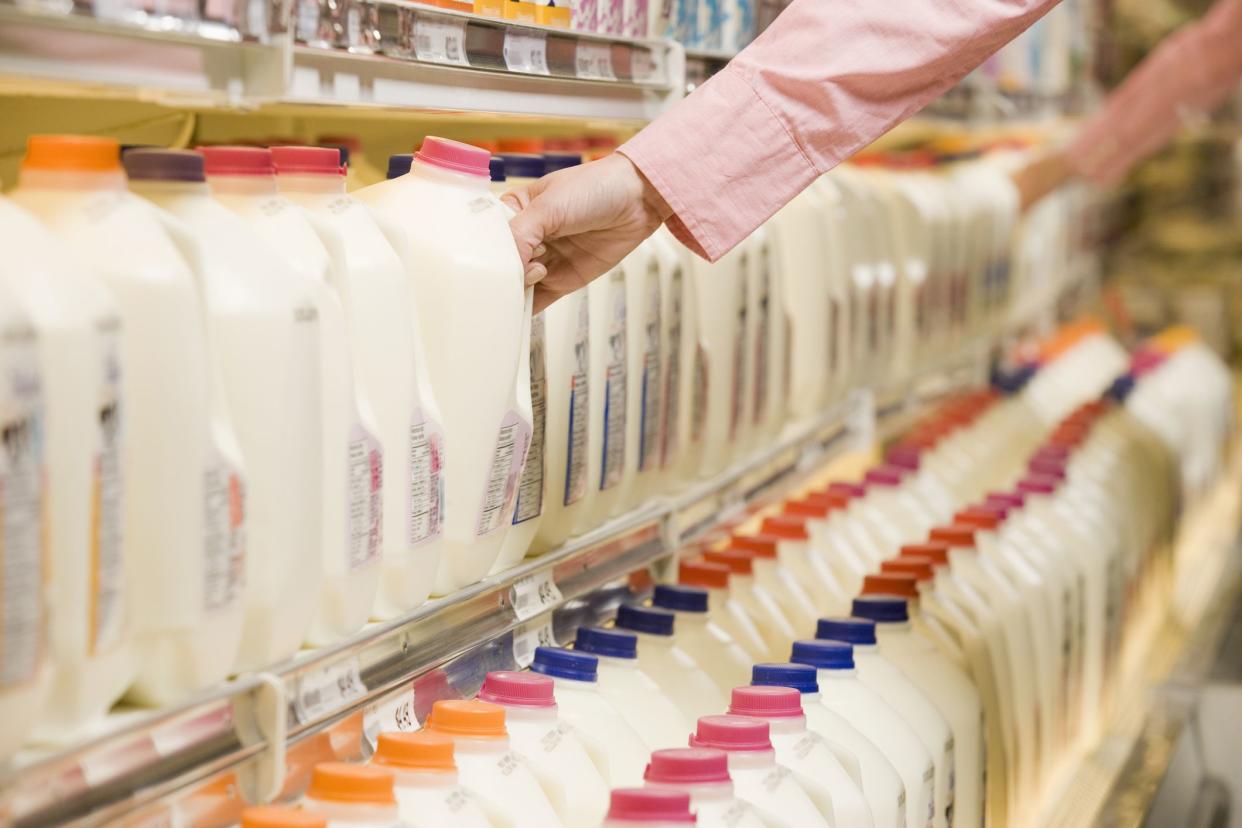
[496, 169]
[278, 816]
[759, 546]
[1038, 484]
[851, 490]
[650, 805]
[1014, 500]
[823, 654]
[787, 526]
[72, 153]
[920, 567]
[688, 766]
[854, 630]
[355, 784]
[566, 664]
[886, 476]
[903, 584]
[766, 702]
[809, 507]
[955, 534]
[680, 598]
[470, 718]
[645, 620]
[905, 456]
[981, 517]
[738, 561]
[935, 551]
[730, 733]
[399, 165]
[514, 689]
[149, 164]
[892, 609]
[798, 676]
[307, 161]
[256, 161]
[422, 750]
[602, 642]
[703, 574]
[454, 155]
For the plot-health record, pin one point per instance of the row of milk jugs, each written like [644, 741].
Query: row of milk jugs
[1005, 628]
[262, 410]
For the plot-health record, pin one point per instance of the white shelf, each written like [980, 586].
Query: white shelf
[148, 762]
[493, 66]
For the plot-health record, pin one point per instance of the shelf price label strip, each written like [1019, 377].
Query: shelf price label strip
[526, 51]
[440, 40]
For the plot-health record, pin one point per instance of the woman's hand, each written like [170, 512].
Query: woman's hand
[576, 224]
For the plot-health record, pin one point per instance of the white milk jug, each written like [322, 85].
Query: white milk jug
[708, 644]
[680, 677]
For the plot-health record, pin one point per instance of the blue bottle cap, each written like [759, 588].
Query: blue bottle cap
[854, 630]
[601, 642]
[565, 664]
[680, 598]
[496, 168]
[399, 165]
[561, 160]
[1121, 388]
[823, 654]
[800, 677]
[644, 619]
[882, 609]
[523, 165]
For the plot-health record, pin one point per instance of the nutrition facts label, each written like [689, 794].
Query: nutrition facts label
[613, 463]
[530, 489]
[512, 441]
[22, 561]
[653, 389]
[672, 373]
[224, 535]
[426, 480]
[579, 405]
[364, 487]
[107, 556]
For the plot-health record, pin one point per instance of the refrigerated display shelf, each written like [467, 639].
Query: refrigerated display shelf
[413, 57]
[144, 759]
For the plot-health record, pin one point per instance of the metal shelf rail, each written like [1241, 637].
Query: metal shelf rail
[244, 731]
[404, 55]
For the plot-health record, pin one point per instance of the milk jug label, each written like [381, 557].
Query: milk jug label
[530, 489]
[579, 406]
[762, 334]
[613, 451]
[426, 480]
[739, 355]
[512, 440]
[653, 391]
[672, 374]
[698, 399]
[107, 574]
[364, 491]
[22, 556]
[224, 535]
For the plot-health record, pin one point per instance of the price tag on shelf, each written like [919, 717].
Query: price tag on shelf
[530, 636]
[594, 61]
[439, 40]
[534, 594]
[324, 690]
[394, 713]
[643, 65]
[526, 51]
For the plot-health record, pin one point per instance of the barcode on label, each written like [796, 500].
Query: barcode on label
[324, 690]
[393, 714]
[533, 594]
[594, 61]
[526, 52]
[527, 638]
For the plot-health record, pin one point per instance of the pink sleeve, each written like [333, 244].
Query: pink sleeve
[1193, 70]
[826, 79]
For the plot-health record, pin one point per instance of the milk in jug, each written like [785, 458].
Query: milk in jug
[774, 625]
[659, 655]
[242, 178]
[393, 389]
[722, 609]
[645, 303]
[467, 283]
[709, 645]
[183, 559]
[425, 781]
[678, 330]
[263, 335]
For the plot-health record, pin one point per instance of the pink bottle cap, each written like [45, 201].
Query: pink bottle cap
[1014, 500]
[729, 733]
[307, 160]
[850, 489]
[237, 160]
[907, 457]
[650, 805]
[688, 766]
[766, 702]
[1052, 450]
[884, 476]
[512, 689]
[455, 156]
[1037, 484]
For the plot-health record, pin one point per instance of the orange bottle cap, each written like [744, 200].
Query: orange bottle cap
[470, 718]
[978, 517]
[703, 574]
[276, 816]
[935, 551]
[422, 750]
[809, 507]
[919, 567]
[891, 583]
[738, 562]
[72, 153]
[343, 782]
[955, 535]
[790, 527]
[759, 546]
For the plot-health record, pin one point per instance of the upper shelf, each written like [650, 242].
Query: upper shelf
[401, 56]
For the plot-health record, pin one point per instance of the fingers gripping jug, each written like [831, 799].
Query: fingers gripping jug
[467, 279]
